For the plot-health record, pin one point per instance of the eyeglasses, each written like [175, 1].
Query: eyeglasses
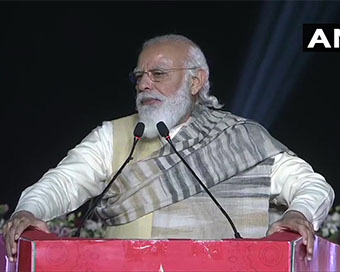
[155, 75]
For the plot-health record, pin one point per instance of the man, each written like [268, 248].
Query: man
[156, 196]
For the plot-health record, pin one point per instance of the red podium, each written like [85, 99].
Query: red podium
[284, 251]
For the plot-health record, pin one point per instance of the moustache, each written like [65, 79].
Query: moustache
[143, 96]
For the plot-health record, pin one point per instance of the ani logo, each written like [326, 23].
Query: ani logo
[321, 37]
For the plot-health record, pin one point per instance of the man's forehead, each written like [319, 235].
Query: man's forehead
[164, 54]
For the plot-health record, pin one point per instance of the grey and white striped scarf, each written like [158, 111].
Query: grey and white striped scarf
[216, 144]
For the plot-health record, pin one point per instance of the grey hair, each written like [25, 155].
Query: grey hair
[196, 58]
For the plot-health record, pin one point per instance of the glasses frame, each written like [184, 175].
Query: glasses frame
[133, 79]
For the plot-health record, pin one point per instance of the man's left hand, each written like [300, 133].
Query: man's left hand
[297, 222]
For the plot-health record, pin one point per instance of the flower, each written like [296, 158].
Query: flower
[330, 228]
[67, 225]
[3, 210]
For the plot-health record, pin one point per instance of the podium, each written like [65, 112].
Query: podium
[283, 251]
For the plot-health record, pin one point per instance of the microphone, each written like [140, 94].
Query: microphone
[138, 133]
[164, 132]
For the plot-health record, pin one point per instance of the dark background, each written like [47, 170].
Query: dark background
[64, 69]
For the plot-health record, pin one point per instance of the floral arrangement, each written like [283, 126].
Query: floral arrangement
[3, 211]
[330, 228]
[67, 225]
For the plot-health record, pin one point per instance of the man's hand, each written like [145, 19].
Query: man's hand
[15, 227]
[297, 222]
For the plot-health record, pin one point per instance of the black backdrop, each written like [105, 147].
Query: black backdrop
[64, 67]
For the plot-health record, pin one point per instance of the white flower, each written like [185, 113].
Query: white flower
[71, 217]
[92, 225]
[325, 232]
[2, 221]
[336, 219]
[331, 225]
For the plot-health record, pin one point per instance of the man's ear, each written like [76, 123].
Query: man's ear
[198, 81]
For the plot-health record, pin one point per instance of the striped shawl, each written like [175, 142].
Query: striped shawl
[219, 146]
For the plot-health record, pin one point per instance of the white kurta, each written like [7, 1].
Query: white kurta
[83, 172]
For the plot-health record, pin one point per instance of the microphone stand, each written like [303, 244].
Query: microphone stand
[138, 132]
[164, 131]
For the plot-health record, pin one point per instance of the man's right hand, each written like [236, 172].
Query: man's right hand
[14, 227]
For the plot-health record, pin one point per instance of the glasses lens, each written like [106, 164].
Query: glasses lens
[158, 75]
[132, 78]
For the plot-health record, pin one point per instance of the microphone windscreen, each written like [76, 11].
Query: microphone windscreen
[139, 130]
[162, 129]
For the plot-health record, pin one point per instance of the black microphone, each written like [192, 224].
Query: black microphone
[138, 133]
[164, 132]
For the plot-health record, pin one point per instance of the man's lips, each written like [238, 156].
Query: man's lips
[150, 101]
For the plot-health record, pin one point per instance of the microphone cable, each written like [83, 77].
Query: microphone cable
[164, 132]
[138, 133]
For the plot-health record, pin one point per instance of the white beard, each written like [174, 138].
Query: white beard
[172, 110]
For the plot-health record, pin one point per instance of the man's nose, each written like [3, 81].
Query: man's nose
[145, 83]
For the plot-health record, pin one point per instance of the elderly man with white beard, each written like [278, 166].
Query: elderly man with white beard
[249, 172]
